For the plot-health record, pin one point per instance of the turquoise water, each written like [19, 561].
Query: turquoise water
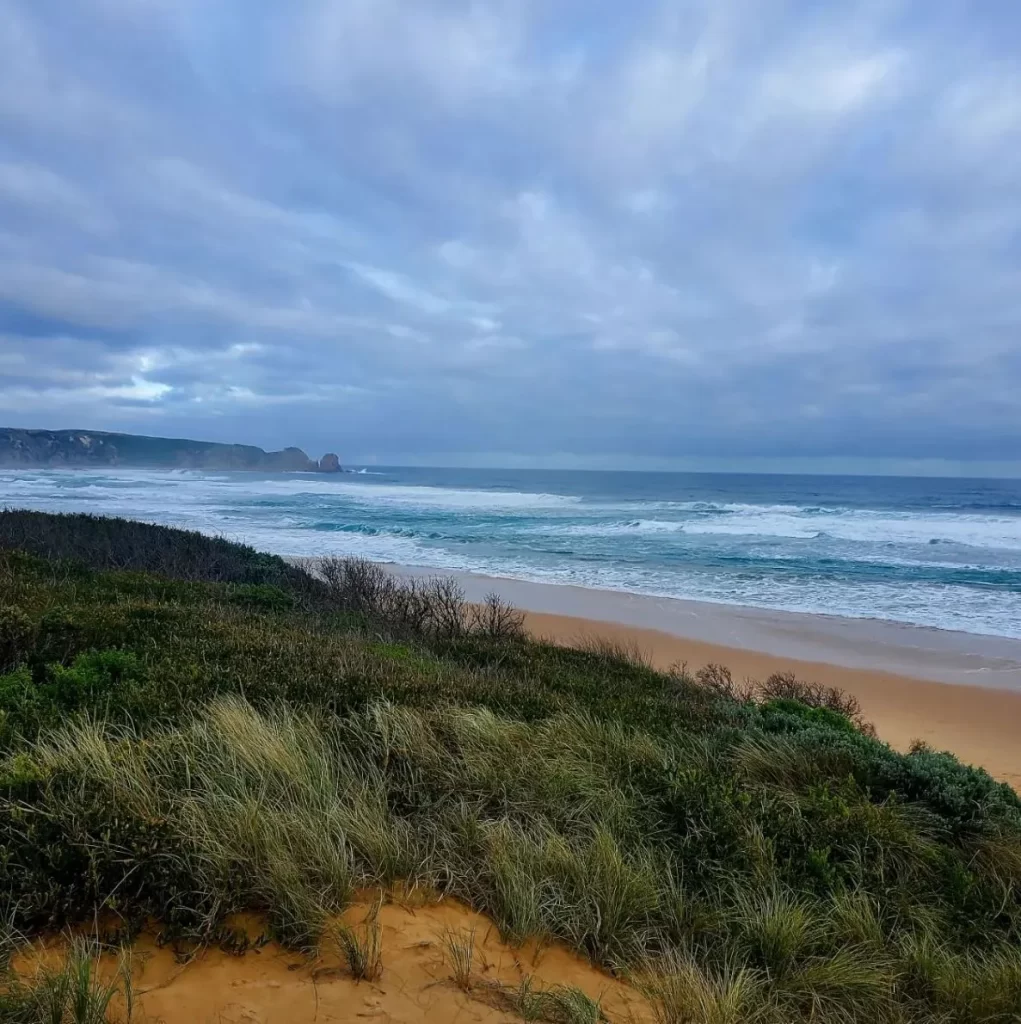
[944, 553]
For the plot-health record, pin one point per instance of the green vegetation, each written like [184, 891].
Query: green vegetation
[69, 994]
[183, 742]
[361, 947]
[558, 1005]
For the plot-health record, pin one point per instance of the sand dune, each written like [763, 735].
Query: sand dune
[270, 985]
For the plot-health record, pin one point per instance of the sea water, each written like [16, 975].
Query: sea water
[942, 553]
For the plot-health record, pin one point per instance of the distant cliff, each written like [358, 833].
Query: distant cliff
[83, 448]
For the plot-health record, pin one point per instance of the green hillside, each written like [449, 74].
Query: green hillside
[190, 728]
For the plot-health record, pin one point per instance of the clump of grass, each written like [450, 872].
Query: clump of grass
[983, 985]
[684, 991]
[525, 1000]
[459, 952]
[361, 947]
[559, 1004]
[566, 1004]
[71, 993]
[10, 939]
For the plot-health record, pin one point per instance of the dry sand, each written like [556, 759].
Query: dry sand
[272, 986]
[981, 726]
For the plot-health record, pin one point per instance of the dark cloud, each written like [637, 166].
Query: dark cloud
[429, 228]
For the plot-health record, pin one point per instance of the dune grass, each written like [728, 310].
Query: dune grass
[459, 952]
[70, 993]
[180, 749]
[361, 946]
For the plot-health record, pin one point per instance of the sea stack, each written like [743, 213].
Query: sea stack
[329, 463]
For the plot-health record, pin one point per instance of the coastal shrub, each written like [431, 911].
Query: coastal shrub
[776, 713]
[785, 687]
[43, 697]
[175, 750]
[101, 542]
[15, 637]
[428, 608]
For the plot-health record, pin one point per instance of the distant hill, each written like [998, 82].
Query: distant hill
[82, 448]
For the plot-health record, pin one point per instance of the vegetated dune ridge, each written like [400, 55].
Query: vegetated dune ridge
[979, 724]
[223, 734]
[268, 984]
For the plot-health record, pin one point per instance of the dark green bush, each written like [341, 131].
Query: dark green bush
[101, 542]
[778, 712]
[16, 637]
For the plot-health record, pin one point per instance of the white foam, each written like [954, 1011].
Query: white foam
[501, 532]
[1001, 533]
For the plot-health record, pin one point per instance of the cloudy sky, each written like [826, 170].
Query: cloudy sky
[524, 230]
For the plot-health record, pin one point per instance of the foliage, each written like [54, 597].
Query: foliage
[361, 946]
[69, 993]
[179, 749]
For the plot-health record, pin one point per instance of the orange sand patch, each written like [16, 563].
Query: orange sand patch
[270, 985]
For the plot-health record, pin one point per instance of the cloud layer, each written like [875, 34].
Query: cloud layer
[702, 228]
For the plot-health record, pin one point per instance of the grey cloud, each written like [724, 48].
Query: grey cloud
[521, 227]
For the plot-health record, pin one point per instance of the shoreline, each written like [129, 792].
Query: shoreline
[959, 692]
[922, 652]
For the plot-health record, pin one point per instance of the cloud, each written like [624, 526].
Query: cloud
[669, 230]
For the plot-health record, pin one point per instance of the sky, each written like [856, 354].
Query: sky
[534, 232]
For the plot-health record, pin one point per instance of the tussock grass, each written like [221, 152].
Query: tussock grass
[459, 952]
[558, 1004]
[71, 993]
[288, 811]
[685, 991]
[565, 1004]
[180, 749]
[362, 946]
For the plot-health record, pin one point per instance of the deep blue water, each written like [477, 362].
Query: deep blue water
[943, 553]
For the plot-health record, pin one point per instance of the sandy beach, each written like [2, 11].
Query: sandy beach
[956, 691]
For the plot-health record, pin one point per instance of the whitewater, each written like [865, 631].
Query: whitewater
[939, 553]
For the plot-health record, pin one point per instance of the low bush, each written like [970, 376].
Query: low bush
[179, 749]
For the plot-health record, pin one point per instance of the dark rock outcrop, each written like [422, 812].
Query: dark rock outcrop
[329, 463]
[83, 448]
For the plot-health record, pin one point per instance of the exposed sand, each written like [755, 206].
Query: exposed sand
[272, 986]
[981, 726]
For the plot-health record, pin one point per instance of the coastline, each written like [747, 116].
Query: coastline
[955, 691]
[922, 652]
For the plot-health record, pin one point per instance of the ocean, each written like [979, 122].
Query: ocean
[940, 553]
